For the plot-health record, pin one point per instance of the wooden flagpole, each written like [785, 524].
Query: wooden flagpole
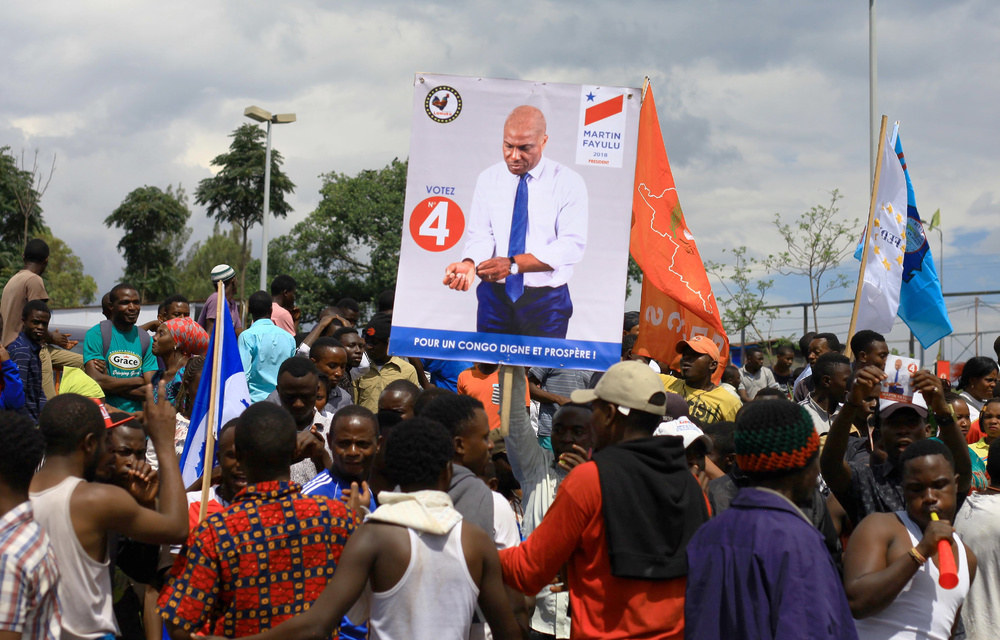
[213, 403]
[506, 395]
[868, 232]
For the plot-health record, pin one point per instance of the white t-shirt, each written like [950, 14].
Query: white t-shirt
[978, 523]
[506, 533]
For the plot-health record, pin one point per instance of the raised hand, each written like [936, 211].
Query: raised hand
[161, 418]
[865, 380]
[143, 484]
[571, 460]
[931, 387]
[306, 443]
[357, 497]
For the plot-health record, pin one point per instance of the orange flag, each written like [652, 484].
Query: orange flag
[677, 300]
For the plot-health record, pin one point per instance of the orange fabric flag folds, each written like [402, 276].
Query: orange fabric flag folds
[677, 300]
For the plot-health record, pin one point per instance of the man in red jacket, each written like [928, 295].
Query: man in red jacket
[621, 522]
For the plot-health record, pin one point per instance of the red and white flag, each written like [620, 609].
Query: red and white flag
[677, 299]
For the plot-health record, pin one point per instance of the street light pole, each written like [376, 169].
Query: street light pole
[873, 121]
[258, 114]
[267, 210]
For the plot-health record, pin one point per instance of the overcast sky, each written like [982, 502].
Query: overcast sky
[764, 105]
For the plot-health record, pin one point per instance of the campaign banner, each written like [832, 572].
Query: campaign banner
[516, 224]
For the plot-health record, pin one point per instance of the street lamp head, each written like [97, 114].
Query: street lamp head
[258, 114]
[283, 118]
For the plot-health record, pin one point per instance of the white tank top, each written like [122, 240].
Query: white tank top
[923, 610]
[84, 584]
[435, 598]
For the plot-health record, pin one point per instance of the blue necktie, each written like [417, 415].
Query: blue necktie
[518, 233]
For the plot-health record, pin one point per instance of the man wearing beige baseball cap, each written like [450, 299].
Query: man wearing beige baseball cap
[707, 402]
[620, 523]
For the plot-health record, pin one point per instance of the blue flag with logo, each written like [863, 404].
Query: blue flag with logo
[921, 305]
[234, 396]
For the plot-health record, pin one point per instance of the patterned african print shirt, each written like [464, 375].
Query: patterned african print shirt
[258, 563]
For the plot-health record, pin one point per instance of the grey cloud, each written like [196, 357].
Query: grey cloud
[762, 104]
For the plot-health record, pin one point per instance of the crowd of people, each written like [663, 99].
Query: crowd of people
[366, 495]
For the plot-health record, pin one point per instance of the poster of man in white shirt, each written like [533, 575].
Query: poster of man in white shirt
[527, 228]
[516, 257]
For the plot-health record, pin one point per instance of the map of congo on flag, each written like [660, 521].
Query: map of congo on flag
[677, 300]
[234, 397]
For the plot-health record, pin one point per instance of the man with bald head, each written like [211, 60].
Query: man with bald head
[527, 228]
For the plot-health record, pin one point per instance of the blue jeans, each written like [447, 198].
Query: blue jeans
[542, 312]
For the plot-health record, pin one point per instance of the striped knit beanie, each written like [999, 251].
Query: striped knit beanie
[774, 437]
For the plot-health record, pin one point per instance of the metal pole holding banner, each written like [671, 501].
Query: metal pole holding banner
[873, 90]
[213, 404]
[868, 230]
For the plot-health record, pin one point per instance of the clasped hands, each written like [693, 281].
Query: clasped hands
[458, 275]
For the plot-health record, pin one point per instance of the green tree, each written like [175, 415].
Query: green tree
[154, 221]
[194, 280]
[65, 281]
[817, 243]
[236, 194]
[16, 185]
[174, 241]
[348, 246]
[746, 287]
[634, 275]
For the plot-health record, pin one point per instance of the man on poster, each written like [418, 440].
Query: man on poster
[527, 228]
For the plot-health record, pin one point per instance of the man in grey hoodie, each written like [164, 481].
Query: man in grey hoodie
[465, 418]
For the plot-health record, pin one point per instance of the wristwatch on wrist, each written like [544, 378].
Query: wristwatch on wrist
[513, 267]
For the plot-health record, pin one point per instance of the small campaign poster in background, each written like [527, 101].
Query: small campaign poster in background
[896, 387]
[516, 224]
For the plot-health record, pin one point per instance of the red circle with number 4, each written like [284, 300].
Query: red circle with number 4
[437, 224]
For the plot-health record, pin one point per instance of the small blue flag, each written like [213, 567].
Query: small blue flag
[921, 305]
[234, 396]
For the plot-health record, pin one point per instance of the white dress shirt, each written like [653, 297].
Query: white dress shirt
[557, 219]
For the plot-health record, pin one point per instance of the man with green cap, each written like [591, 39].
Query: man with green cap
[760, 570]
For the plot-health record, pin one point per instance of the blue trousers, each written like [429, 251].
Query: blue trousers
[542, 312]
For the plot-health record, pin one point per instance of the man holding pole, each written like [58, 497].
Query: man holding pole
[898, 565]
[269, 555]
[878, 487]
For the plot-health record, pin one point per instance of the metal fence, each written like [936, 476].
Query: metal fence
[975, 316]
